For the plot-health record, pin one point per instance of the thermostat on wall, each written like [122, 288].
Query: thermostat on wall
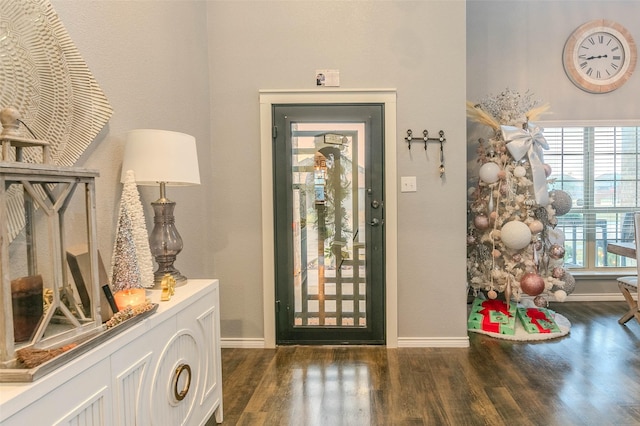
[330, 78]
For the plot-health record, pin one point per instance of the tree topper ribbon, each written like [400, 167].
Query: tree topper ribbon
[532, 142]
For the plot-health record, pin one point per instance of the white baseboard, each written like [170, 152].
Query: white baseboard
[239, 343]
[433, 342]
[595, 297]
[403, 342]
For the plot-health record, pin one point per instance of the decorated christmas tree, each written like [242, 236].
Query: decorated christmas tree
[513, 246]
[132, 263]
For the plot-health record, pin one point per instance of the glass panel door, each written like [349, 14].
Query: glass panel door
[328, 198]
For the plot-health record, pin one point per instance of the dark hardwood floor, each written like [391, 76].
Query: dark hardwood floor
[590, 377]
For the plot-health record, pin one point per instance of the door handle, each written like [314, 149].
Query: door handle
[376, 222]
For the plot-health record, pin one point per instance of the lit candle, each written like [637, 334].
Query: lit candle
[130, 297]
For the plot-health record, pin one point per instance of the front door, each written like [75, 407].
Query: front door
[329, 219]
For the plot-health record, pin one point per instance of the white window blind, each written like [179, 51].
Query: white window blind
[598, 167]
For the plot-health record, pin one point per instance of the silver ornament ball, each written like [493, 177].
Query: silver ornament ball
[558, 272]
[541, 302]
[569, 283]
[561, 202]
[556, 251]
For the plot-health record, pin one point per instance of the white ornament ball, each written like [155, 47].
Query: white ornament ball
[519, 171]
[515, 235]
[560, 295]
[561, 202]
[556, 236]
[489, 172]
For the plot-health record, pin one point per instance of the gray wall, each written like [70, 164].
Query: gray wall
[518, 45]
[150, 59]
[197, 67]
[414, 46]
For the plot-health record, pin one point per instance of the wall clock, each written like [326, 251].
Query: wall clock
[599, 56]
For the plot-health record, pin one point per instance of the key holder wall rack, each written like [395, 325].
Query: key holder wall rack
[426, 139]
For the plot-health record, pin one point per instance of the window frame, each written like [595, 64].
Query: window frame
[590, 244]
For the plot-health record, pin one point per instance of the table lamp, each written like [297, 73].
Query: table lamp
[164, 158]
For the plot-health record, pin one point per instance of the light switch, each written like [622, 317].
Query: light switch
[408, 184]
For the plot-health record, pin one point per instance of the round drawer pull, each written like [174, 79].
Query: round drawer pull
[176, 378]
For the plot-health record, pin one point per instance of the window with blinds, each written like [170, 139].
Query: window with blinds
[598, 167]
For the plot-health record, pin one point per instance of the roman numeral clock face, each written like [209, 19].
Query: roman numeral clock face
[599, 56]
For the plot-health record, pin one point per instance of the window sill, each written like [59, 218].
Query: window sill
[601, 275]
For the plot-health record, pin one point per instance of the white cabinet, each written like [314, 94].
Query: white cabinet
[165, 370]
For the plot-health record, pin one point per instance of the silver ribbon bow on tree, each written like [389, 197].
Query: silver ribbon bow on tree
[531, 142]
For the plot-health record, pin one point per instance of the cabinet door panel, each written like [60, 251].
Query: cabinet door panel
[90, 412]
[132, 367]
[203, 319]
[65, 408]
[176, 380]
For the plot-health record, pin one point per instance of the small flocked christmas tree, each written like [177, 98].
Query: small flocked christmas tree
[513, 246]
[131, 262]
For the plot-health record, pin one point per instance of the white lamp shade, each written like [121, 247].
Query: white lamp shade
[161, 156]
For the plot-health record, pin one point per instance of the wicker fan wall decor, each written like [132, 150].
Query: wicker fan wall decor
[44, 77]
